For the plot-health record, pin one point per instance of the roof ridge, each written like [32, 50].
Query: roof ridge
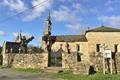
[69, 35]
[104, 29]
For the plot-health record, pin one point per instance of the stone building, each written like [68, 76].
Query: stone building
[79, 52]
[71, 52]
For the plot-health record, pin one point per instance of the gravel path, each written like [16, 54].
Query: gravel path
[8, 74]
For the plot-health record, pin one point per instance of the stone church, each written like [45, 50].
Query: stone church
[82, 51]
[77, 53]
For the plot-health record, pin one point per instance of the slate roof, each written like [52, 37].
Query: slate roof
[70, 38]
[15, 46]
[82, 38]
[104, 29]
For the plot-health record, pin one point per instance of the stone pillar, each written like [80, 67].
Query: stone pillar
[45, 63]
[63, 60]
[5, 56]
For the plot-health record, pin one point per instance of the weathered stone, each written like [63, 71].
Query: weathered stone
[23, 60]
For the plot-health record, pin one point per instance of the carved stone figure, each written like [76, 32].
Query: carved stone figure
[23, 41]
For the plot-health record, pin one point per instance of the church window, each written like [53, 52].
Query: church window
[78, 47]
[116, 47]
[98, 47]
[78, 53]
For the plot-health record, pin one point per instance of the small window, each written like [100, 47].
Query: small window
[98, 47]
[116, 47]
[78, 53]
[78, 57]
[78, 47]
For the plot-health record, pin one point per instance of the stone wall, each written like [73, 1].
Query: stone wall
[107, 38]
[22, 60]
[70, 62]
[96, 60]
[83, 46]
[117, 60]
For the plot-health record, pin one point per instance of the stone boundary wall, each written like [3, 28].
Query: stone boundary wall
[70, 62]
[22, 60]
[97, 61]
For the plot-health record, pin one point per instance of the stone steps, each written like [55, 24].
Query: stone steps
[53, 69]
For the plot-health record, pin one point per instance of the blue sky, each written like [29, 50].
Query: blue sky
[68, 17]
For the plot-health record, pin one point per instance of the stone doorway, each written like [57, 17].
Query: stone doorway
[55, 59]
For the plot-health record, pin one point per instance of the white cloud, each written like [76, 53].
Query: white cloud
[15, 34]
[37, 11]
[110, 20]
[64, 14]
[18, 5]
[80, 29]
[74, 26]
[14, 5]
[2, 33]
[23, 34]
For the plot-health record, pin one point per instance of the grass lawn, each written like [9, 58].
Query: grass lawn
[97, 76]
[29, 70]
[69, 76]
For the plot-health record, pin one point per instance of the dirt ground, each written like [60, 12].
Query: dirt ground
[9, 74]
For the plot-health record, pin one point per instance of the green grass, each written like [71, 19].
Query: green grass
[67, 75]
[97, 76]
[29, 70]
[0, 66]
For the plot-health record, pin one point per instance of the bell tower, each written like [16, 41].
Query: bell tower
[19, 37]
[46, 34]
[48, 26]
